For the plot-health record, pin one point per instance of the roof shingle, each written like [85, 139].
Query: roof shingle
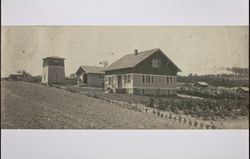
[131, 60]
[93, 69]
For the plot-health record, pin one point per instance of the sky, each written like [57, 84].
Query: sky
[194, 49]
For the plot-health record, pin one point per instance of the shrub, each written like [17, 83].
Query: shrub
[190, 122]
[161, 115]
[158, 113]
[154, 111]
[195, 123]
[184, 120]
[201, 125]
[160, 104]
[150, 102]
[179, 118]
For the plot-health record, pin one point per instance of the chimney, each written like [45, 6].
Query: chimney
[136, 52]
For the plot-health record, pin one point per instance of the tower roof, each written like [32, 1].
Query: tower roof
[53, 57]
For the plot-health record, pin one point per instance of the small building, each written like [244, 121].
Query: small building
[16, 77]
[242, 89]
[148, 72]
[53, 70]
[90, 76]
[201, 84]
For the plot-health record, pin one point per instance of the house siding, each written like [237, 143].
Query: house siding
[119, 71]
[95, 80]
[136, 86]
[159, 85]
[166, 68]
[159, 81]
[45, 74]
[49, 74]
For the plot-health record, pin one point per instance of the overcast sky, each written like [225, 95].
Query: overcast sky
[193, 49]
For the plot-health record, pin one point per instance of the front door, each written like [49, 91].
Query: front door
[85, 78]
[56, 77]
[119, 81]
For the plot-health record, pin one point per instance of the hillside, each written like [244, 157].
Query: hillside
[33, 106]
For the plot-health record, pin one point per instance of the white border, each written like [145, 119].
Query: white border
[113, 144]
[125, 12]
[124, 144]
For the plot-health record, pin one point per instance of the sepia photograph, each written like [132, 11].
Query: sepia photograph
[124, 77]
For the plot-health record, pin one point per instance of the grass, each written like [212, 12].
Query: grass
[33, 106]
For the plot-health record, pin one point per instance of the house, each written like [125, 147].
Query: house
[90, 76]
[53, 70]
[201, 84]
[242, 89]
[16, 77]
[148, 72]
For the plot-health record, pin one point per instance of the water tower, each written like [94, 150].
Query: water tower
[53, 70]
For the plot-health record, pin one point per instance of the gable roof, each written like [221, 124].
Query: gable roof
[12, 75]
[92, 69]
[53, 57]
[246, 89]
[202, 83]
[131, 60]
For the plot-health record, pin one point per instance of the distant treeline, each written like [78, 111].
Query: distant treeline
[237, 70]
[216, 80]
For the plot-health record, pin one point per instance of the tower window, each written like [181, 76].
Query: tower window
[56, 62]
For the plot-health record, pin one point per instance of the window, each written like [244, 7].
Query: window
[109, 80]
[56, 62]
[147, 79]
[143, 79]
[125, 78]
[129, 78]
[156, 63]
[143, 91]
[169, 91]
[167, 80]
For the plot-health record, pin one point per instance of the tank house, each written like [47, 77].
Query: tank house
[53, 70]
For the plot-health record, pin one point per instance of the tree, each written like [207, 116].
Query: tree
[24, 73]
[104, 63]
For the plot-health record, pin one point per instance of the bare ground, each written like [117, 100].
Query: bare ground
[33, 106]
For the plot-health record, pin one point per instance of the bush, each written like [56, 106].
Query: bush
[161, 105]
[180, 118]
[150, 103]
[184, 120]
[195, 123]
[158, 113]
